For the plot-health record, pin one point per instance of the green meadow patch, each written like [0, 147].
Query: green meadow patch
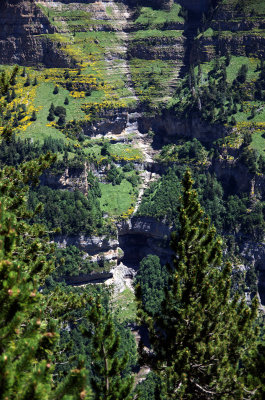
[116, 200]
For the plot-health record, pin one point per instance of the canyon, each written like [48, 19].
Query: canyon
[139, 60]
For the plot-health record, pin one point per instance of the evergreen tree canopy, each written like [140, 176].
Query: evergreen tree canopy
[27, 334]
[151, 280]
[202, 336]
[109, 382]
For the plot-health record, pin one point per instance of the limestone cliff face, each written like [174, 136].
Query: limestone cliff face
[232, 29]
[71, 179]
[238, 44]
[170, 128]
[145, 226]
[162, 48]
[27, 29]
[21, 25]
[99, 249]
[109, 121]
[92, 245]
[195, 5]
[164, 4]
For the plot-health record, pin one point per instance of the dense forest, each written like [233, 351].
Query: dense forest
[197, 287]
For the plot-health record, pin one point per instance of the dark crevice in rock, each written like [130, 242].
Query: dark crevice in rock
[193, 23]
[142, 236]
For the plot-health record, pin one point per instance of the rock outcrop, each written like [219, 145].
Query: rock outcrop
[22, 25]
[141, 236]
[171, 128]
[254, 253]
[234, 28]
[195, 5]
[71, 179]
[91, 245]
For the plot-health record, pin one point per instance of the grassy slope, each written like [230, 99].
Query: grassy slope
[77, 37]
[43, 100]
[151, 77]
[117, 199]
[242, 10]
[258, 142]
[81, 39]
[125, 306]
[252, 75]
[158, 18]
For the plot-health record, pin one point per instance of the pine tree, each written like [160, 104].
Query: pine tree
[25, 337]
[4, 84]
[242, 73]
[23, 332]
[52, 108]
[56, 90]
[28, 335]
[14, 73]
[107, 381]
[27, 83]
[202, 335]
[13, 94]
[34, 116]
[51, 116]
[253, 113]
[61, 120]
[66, 74]
[227, 58]
[8, 97]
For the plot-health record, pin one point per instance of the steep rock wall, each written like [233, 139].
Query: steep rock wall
[195, 5]
[233, 28]
[71, 179]
[21, 25]
[170, 127]
[238, 44]
[90, 244]
[141, 236]
[162, 48]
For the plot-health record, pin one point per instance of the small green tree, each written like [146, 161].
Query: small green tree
[242, 73]
[8, 97]
[66, 74]
[253, 113]
[27, 83]
[34, 116]
[108, 382]
[56, 90]
[14, 73]
[60, 110]
[51, 116]
[13, 94]
[61, 120]
[202, 335]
